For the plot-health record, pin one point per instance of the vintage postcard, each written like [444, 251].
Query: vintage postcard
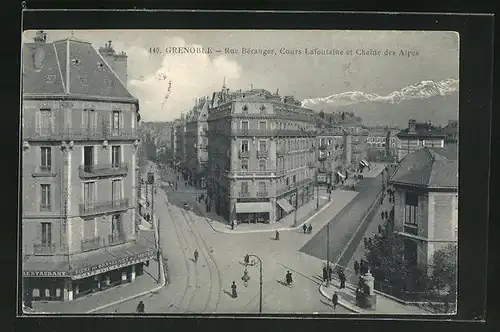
[221, 171]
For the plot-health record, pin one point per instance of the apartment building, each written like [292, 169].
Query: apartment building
[417, 136]
[78, 173]
[426, 202]
[333, 144]
[180, 145]
[197, 142]
[261, 155]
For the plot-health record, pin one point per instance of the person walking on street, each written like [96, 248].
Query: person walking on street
[309, 229]
[325, 273]
[342, 278]
[232, 225]
[277, 237]
[195, 255]
[304, 227]
[356, 267]
[140, 307]
[330, 273]
[335, 300]
[234, 294]
[288, 278]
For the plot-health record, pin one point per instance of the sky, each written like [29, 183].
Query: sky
[433, 56]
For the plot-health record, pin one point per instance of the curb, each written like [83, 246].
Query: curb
[162, 284]
[265, 230]
[341, 302]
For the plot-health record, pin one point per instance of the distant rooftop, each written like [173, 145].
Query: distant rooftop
[421, 129]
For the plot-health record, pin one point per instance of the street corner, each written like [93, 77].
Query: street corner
[327, 292]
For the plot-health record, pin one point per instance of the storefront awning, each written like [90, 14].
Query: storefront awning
[364, 162]
[283, 203]
[341, 175]
[253, 207]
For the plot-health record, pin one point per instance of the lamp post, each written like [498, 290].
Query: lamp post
[245, 278]
[151, 181]
[317, 191]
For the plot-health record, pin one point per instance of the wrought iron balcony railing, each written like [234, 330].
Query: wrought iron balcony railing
[262, 194]
[262, 154]
[41, 249]
[116, 239]
[410, 230]
[89, 171]
[253, 132]
[244, 194]
[78, 133]
[92, 243]
[89, 209]
[244, 154]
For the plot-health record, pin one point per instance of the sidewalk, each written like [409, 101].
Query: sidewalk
[142, 285]
[384, 305]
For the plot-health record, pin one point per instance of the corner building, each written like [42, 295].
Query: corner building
[79, 132]
[261, 156]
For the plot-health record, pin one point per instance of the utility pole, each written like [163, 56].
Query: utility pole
[151, 181]
[317, 191]
[328, 254]
[296, 207]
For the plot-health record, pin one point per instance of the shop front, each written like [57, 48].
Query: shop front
[253, 212]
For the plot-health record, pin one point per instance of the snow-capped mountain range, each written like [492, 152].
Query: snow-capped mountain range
[422, 90]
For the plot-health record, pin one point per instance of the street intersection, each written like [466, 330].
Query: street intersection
[205, 286]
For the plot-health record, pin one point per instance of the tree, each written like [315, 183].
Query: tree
[444, 269]
[322, 114]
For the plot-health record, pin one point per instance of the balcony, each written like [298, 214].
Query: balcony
[114, 239]
[250, 173]
[42, 171]
[44, 249]
[244, 194]
[261, 154]
[98, 170]
[412, 230]
[89, 209]
[78, 134]
[262, 194]
[244, 154]
[295, 133]
[92, 243]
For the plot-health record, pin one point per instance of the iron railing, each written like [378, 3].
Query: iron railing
[78, 133]
[244, 154]
[88, 171]
[92, 243]
[88, 209]
[262, 154]
[41, 249]
[251, 173]
[262, 194]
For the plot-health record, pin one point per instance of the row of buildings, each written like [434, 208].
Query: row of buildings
[79, 170]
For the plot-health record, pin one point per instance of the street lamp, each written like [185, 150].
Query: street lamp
[246, 277]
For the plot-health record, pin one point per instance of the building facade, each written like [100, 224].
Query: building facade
[333, 146]
[78, 173]
[261, 155]
[451, 131]
[197, 143]
[180, 145]
[417, 136]
[426, 202]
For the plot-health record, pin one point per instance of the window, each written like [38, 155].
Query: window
[244, 187]
[46, 160]
[244, 125]
[244, 146]
[411, 207]
[45, 203]
[116, 121]
[88, 158]
[287, 181]
[262, 145]
[262, 165]
[262, 125]
[244, 164]
[115, 156]
[45, 121]
[116, 225]
[294, 178]
[88, 119]
[89, 195]
[116, 191]
[262, 186]
[46, 233]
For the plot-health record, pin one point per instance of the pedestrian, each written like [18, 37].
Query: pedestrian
[386, 214]
[195, 255]
[304, 227]
[382, 215]
[309, 229]
[342, 278]
[140, 307]
[335, 300]
[356, 267]
[277, 236]
[234, 294]
[330, 273]
[325, 273]
[232, 225]
[288, 278]
[365, 241]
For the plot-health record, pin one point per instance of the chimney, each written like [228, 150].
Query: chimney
[40, 37]
[412, 124]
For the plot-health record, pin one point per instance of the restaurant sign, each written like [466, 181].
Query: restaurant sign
[49, 274]
[111, 265]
